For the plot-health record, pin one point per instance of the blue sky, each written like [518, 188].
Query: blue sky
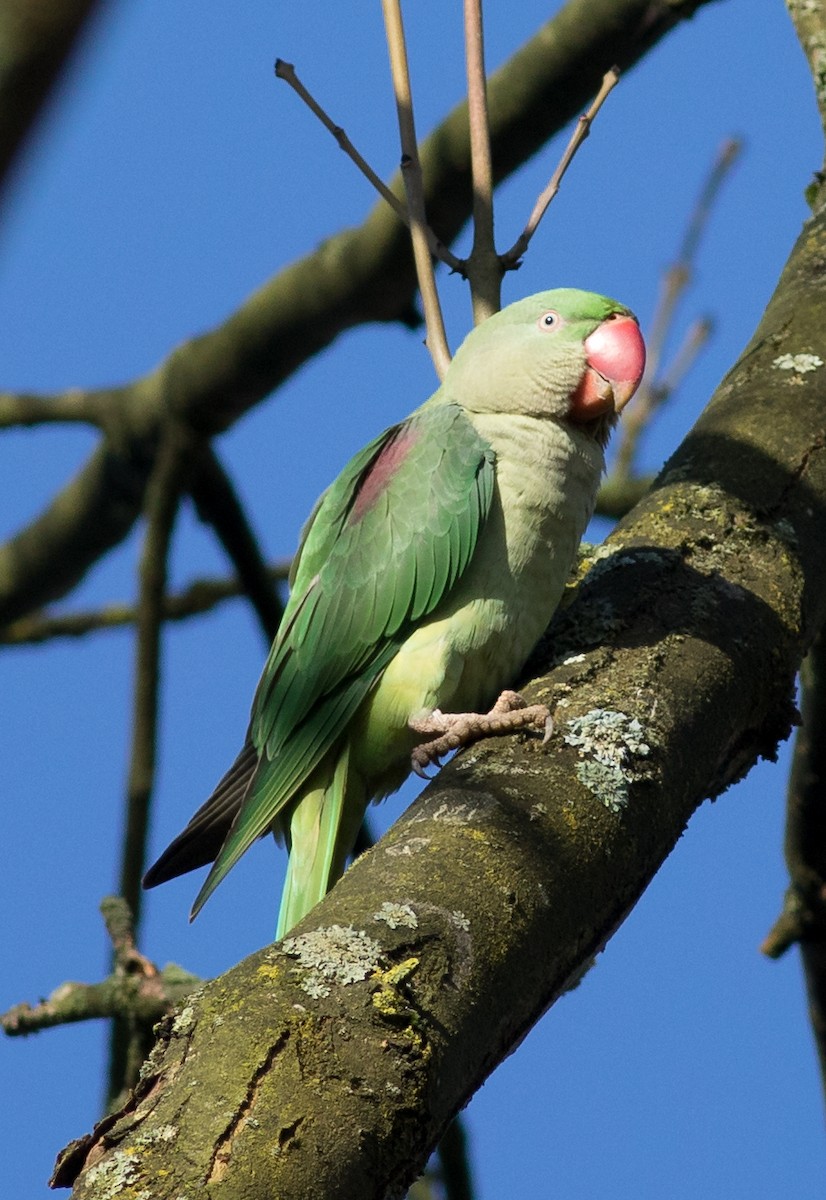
[171, 177]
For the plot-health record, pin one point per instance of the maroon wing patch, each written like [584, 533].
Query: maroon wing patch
[384, 466]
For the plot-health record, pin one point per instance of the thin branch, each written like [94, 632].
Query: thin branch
[681, 272]
[454, 1162]
[136, 990]
[162, 500]
[727, 156]
[287, 72]
[200, 596]
[414, 187]
[658, 384]
[25, 410]
[692, 345]
[803, 919]
[511, 259]
[639, 415]
[484, 269]
[128, 1042]
[217, 503]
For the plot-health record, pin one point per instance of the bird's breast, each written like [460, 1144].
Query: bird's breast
[477, 640]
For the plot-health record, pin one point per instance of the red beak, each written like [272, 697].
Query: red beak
[615, 361]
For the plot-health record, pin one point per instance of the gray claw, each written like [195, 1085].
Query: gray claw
[419, 768]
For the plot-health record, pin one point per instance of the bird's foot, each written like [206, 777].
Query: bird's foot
[449, 731]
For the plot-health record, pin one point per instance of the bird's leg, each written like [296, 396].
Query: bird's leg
[449, 731]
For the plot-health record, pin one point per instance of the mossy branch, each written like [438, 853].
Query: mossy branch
[136, 991]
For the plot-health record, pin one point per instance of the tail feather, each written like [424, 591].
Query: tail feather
[323, 826]
[204, 836]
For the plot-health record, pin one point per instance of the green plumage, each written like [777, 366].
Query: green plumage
[351, 608]
[424, 576]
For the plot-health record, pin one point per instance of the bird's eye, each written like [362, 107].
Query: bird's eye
[548, 320]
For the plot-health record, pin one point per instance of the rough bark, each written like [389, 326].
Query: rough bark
[329, 1065]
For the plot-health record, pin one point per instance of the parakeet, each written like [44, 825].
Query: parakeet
[425, 576]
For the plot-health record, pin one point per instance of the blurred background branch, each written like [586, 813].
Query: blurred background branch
[37, 37]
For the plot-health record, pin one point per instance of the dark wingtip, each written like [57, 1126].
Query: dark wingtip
[150, 879]
[199, 844]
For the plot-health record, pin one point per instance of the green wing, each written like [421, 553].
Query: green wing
[386, 543]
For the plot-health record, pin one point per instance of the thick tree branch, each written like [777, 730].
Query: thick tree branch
[676, 671]
[361, 275]
[37, 37]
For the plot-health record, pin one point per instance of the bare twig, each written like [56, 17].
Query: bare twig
[511, 259]
[201, 596]
[287, 72]
[412, 174]
[680, 273]
[659, 384]
[638, 416]
[727, 156]
[484, 269]
[136, 989]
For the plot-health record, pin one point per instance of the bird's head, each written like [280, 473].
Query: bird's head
[566, 354]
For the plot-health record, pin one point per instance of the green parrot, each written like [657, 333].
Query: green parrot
[425, 576]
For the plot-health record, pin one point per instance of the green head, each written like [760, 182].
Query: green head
[563, 353]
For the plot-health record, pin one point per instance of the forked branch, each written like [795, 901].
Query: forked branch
[512, 258]
[287, 72]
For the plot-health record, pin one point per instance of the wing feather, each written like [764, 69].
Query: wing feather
[385, 545]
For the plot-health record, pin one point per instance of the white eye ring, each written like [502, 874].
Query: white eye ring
[548, 320]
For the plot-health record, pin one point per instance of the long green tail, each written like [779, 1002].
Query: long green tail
[323, 827]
